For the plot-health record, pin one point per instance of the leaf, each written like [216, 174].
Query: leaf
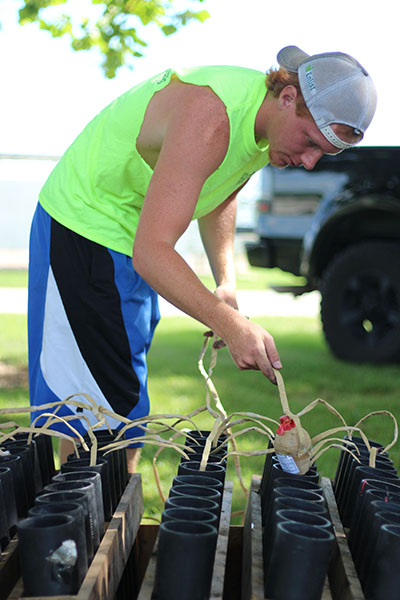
[202, 15]
[168, 29]
[113, 33]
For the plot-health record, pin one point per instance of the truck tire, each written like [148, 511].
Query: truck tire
[360, 306]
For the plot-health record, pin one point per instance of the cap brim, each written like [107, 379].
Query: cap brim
[291, 57]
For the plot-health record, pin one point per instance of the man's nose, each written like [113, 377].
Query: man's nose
[310, 159]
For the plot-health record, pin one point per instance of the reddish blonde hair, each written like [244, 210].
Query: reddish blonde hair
[277, 79]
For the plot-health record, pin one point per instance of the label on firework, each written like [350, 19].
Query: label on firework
[288, 464]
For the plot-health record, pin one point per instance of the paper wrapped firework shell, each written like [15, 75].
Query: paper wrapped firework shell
[295, 442]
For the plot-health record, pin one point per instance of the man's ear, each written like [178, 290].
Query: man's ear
[288, 96]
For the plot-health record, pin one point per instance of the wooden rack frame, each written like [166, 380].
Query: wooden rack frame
[107, 567]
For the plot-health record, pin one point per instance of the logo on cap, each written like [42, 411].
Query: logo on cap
[310, 78]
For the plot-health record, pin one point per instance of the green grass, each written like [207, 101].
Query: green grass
[255, 278]
[258, 278]
[13, 356]
[13, 278]
[176, 386]
[13, 339]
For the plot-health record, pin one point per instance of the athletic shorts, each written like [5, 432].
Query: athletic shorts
[91, 320]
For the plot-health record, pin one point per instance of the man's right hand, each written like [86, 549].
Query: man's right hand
[252, 347]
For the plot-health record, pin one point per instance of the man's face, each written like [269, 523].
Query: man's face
[295, 141]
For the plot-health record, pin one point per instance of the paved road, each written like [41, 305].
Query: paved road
[251, 303]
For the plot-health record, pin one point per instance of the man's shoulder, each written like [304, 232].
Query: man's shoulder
[236, 86]
[203, 72]
[194, 99]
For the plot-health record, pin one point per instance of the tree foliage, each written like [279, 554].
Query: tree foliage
[115, 28]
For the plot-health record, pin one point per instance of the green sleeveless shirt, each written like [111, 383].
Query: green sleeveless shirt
[98, 187]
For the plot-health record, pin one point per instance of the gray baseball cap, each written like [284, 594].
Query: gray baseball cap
[336, 89]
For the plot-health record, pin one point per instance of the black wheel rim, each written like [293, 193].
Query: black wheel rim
[370, 308]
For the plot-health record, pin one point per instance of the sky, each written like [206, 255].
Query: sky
[50, 92]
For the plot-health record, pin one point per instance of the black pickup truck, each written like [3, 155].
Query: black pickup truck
[338, 226]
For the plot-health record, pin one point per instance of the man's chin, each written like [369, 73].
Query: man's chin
[278, 162]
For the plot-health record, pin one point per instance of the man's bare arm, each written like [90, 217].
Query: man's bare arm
[217, 230]
[195, 143]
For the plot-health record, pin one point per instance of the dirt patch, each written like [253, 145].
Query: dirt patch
[12, 376]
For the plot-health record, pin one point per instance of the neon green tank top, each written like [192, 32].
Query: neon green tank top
[98, 187]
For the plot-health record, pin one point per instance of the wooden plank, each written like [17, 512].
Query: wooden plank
[9, 568]
[18, 591]
[144, 547]
[218, 577]
[252, 557]
[217, 583]
[343, 580]
[326, 592]
[105, 571]
[146, 590]
[233, 567]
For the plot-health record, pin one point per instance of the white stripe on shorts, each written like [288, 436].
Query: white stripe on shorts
[61, 361]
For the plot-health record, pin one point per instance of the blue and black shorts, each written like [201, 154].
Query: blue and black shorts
[91, 320]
